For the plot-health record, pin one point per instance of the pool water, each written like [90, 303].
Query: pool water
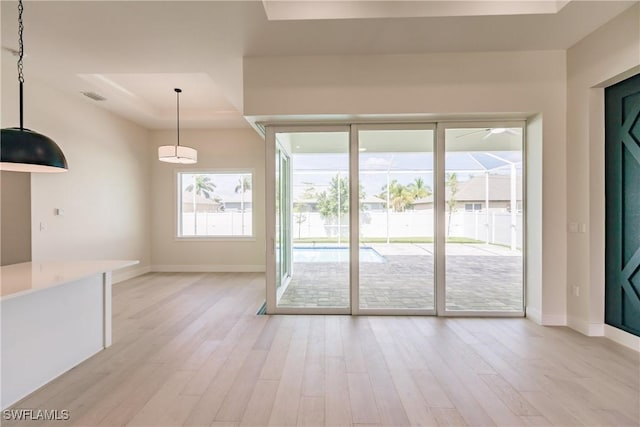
[333, 254]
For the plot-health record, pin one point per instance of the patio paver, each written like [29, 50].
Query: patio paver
[479, 277]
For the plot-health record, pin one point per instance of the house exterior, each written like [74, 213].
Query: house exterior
[472, 195]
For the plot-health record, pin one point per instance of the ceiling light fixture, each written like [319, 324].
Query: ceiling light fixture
[23, 150]
[177, 153]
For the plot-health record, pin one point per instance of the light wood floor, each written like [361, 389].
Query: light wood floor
[188, 350]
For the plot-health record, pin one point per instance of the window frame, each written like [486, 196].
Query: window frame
[178, 205]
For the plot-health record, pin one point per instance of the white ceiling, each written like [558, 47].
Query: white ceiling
[360, 9]
[135, 53]
[150, 99]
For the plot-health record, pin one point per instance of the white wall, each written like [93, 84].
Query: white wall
[605, 57]
[223, 149]
[444, 84]
[105, 194]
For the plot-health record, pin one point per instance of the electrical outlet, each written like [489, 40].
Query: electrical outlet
[576, 290]
[43, 226]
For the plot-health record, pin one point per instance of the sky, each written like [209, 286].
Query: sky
[225, 183]
[317, 169]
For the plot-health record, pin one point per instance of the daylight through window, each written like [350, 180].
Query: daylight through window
[215, 204]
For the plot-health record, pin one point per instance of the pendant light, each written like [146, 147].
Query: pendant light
[177, 153]
[23, 150]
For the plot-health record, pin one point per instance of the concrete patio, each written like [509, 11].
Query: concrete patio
[479, 277]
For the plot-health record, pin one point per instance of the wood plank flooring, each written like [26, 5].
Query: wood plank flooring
[189, 350]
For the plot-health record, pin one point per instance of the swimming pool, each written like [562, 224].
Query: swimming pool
[333, 254]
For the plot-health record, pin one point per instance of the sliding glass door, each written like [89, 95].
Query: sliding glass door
[396, 219]
[283, 217]
[311, 202]
[483, 231]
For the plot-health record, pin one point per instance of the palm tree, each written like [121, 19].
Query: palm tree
[244, 184]
[400, 197]
[202, 186]
[418, 189]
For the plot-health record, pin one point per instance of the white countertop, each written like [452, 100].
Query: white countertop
[27, 277]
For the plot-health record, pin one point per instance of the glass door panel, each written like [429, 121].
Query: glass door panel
[315, 205]
[396, 219]
[278, 219]
[483, 219]
[283, 218]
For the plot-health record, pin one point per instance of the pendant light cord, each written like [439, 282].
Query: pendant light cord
[178, 116]
[20, 57]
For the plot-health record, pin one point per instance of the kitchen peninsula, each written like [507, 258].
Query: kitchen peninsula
[55, 315]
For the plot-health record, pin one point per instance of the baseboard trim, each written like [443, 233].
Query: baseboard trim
[129, 273]
[578, 324]
[534, 315]
[208, 268]
[596, 329]
[585, 327]
[554, 320]
[623, 338]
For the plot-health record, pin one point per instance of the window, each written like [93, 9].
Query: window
[470, 207]
[215, 204]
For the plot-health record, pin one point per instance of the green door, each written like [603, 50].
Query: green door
[622, 255]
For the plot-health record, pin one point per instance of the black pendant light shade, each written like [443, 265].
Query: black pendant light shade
[23, 150]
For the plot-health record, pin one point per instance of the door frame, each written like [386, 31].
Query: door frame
[441, 291]
[270, 216]
[355, 219]
[617, 282]
[439, 127]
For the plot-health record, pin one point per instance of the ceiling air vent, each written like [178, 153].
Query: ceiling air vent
[94, 96]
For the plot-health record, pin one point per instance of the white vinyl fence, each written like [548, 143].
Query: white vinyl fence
[218, 224]
[494, 228]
